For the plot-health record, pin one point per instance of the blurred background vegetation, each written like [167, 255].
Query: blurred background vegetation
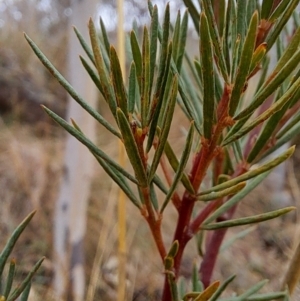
[31, 154]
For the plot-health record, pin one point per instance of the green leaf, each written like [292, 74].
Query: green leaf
[235, 57]
[226, 36]
[102, 69]
[222, 193]
[145, 81]
[137, 56]
[252, 173]
[288, 136]
[90, 145]
[251, 7]
[84, 45]
[279, 10]
[176, 34]
[174, 164]
[255, 288]
[267, 296]
[181, 166]
[132, 149]
[257, 57]
[153, 197]
[10, 278]
[132, 88]
[221, 288]
[215, 39]
[193, 12]
[157, 102]
[235, 237]
[118, 178]
[244, 65]
[182, 41]
[117, 80]
[173, 250]
[92, 74]
[241, 25]
[208, 292]
[266, 9]
[104, 36]
[66, 85]
[289, 51]
[153, 44]
[207, 67]
[295, 121]
[169, 263]
[271, 85]
[165, 128]
[192, 115]
[197, 285]
[164, 50]
[275, 107]
[25, 294]
[285, 16]
[248, 220]
[21, 287]
[158, 182]
[12, 240]
[237, 198]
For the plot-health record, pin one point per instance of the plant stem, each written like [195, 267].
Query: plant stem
[154, 223]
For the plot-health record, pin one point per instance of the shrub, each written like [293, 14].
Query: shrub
[229, 138]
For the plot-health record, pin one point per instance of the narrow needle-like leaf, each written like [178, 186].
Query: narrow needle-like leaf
[165, 128]
[65, 84]
[206, 54]
[182, 41]
[252, 173]
[92, 74]
[104, 36]
[25, 294]
[248, 220]
[157, 102]
[137, 56]
[114, 174]
[117, 80]
[10, 278]
[132, 88]
[84, 45]
[12, 240]
[213, 28]
[244, 65]
[221, 288]
[145, 80]
[236, 198]
[102, 69]
[208, 292]
[271, 85]
[222, 193]
[132, 149]
[275, 107]
[180, 170]
[89, 144]
[18, 291]
[174, 164]
[153, 44]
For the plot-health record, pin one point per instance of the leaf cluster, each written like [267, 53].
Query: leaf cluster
[240, 110]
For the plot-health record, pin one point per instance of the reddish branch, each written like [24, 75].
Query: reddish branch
[203, 159]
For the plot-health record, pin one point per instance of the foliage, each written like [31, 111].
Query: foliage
[230, 135]
[22, 289]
